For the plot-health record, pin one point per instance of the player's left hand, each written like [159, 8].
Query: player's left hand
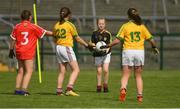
[11, 53]
[155, 50]
[90, 47]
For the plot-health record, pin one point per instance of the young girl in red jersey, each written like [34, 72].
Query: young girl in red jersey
[24, 38]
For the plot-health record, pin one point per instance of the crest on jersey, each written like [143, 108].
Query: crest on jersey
[105, 38]
[100, 37]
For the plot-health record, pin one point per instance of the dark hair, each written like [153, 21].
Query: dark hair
[134, 15]
[100, 19]
[64, 12]
[25, 15]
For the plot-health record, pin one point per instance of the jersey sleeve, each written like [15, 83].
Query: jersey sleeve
[109, 36]
[13, 34]
[121, 33]
[93, 38]
[146, 33]
[54, 30]
[73, 30]
[40, 32]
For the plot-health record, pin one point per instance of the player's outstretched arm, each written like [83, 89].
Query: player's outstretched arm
[153, 44]
[49, 33]
[113, 43]
[92, 44]
[82, 42]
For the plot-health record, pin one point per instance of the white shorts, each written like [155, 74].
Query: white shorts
[65, 54]
[102, 59]
[133, 57]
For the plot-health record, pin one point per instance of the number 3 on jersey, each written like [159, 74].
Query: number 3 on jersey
[135, 36]
[25, 37]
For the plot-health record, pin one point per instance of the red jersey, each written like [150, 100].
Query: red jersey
[26, 34]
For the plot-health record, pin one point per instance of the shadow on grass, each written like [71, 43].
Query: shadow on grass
[7, 93]
[45, 93]
[88, 91]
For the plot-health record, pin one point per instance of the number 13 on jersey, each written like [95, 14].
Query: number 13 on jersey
[135, 36]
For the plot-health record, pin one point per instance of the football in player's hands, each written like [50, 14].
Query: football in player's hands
[90, 47]
[104, 47]
[99, 45]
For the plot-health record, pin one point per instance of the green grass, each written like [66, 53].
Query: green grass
[161, 90]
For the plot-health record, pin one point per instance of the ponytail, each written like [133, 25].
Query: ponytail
[134, 15]
[64, 12]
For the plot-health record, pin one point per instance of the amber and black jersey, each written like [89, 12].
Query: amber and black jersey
[101, 36]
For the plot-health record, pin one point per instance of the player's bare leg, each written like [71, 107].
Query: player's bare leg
[62, 71]
[124, 81]
[139, 82]
[27, 77]
[99, 78]
[75, 72]
[20, 74]
[106, 76]
[19, 78]
[125, 76]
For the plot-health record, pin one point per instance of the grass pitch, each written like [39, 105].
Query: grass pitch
[161, 90]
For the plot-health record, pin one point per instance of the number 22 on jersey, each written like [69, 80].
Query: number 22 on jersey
[25, 37]
[60, 33]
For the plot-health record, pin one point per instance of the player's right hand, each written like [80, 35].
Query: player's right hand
[155, 50]
[90, 47]
[11, 53]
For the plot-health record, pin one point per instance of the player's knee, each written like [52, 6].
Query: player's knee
[62, 72]
[106, 70]
[99, 72]
[20, 71]
[30, 70]
[138, 75]
[77, 70]
[99, 69]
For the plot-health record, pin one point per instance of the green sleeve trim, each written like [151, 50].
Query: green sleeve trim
[150, 38]
[120, 38]
[109, 35]
[75, 36]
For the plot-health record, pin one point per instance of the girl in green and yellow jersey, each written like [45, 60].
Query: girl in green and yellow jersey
[65, 33]
[133, 34]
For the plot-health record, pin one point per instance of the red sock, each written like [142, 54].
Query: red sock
[69, 87]
[105, 85]
[59, 90]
